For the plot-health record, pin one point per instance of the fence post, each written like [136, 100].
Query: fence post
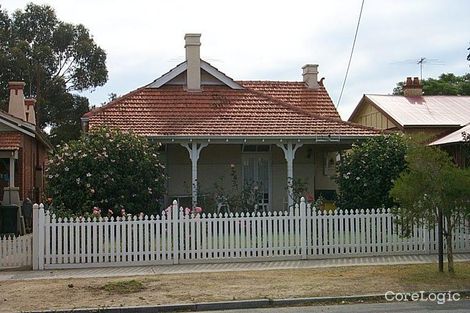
[427, 248]
[303, 228]
[41, 237]
[35, 236]
[175, 239]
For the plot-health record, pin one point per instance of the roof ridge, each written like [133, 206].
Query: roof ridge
[391, 95]
[306, 113]
[269, 81]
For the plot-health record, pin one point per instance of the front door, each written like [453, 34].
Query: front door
[257, 179]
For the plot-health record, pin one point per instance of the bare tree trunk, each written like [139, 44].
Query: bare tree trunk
[440, 239]
[450, 255]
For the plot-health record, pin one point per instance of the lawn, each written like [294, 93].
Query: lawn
[224, 286]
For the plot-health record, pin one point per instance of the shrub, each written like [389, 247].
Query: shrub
[107, 169]
[367, 172]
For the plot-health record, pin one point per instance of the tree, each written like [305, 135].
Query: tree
[54, 58]
[446, 84]
[367, 172]
[108, 169]
[431, 187]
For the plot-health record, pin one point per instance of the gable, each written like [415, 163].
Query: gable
[209, 76]
[11, 123]
[206, 79]
[368, 114]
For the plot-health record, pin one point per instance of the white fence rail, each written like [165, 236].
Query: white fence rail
[301, 233]
[15, 251]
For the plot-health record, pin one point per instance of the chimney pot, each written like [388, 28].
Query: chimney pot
[193, 61]
[412, 87]
[16, 105]
[30, 112]
[310, 76]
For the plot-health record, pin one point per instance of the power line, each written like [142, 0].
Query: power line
[351, 55]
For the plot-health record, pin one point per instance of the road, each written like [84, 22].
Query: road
[395, 307]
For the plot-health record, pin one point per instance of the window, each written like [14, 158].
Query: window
[256, 148]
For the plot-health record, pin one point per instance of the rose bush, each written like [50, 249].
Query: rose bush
[107, 169]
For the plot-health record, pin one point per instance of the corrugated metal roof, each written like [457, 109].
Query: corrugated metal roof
[454, 137]
[425, 110]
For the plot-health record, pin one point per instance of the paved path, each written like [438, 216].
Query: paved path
[220, 267]
[462, 306]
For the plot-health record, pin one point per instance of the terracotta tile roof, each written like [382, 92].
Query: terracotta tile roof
[10, 140]
[297, 94]
[216, 111]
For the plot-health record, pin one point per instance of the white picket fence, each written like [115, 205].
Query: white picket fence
[15, 251]
[301, 233]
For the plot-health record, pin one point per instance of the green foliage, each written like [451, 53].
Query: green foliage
[237, 199]
[299, 188]
[367, 172]
[124, 286]
[108, 169]
[54, 58]
[430, 181]
[446, 84]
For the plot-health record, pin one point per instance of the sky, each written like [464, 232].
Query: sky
[272, 40]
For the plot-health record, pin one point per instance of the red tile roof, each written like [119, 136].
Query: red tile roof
[222, 111]
[10, 140]
[297, 94]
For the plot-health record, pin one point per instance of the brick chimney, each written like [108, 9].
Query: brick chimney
[30, 113]
[310, 75]
[16, 106]
[412, 87]
[193, 60]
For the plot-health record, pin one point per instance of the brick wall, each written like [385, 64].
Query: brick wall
[29, 167]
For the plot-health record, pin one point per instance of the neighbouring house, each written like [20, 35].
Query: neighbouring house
[457, 144]
[266, 133]
[23, 153]
[440, 120]
[23, 150]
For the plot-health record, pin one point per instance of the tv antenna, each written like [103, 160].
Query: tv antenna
[420, 62]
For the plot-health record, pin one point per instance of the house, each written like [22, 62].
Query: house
[457, 144]
[23, 150]
[432, 117]
[269, 133]
[23, 153]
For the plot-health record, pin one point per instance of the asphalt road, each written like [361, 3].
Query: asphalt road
[462, 306]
